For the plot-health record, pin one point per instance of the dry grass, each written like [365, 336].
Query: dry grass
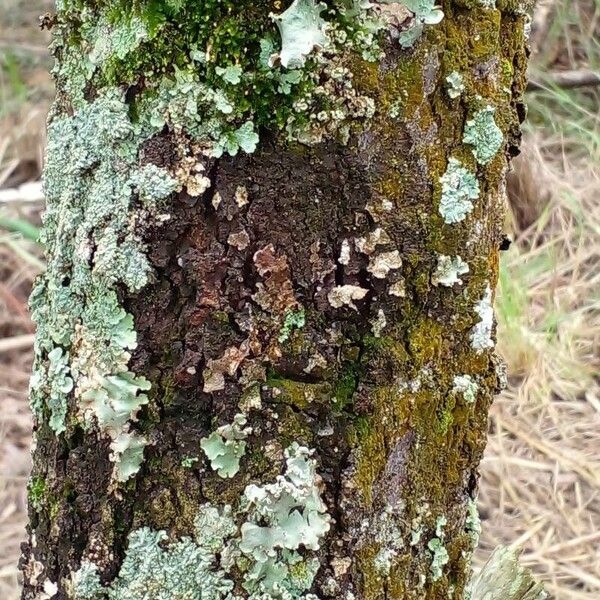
[25, 92]
[540, 486]
[15, 421]
[541, 472]
[540, 478]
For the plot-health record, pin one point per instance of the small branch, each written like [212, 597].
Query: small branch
[14, 45]
[565, 80]
[28, 192]
[18, 342]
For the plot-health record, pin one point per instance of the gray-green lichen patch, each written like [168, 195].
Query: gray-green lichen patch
[455, 84]
[422, 13]
[85, 583]
[388, 534]
[282, 526]
[55, 383]
[440, 523]
[448, 270]
[473, 522]
[189, 461]
[438, 552]
[92, 181]
[294, 319]
[302, 29]
[226, 446]
[482, 133]
[194, 568]
[287, 514]
[459, 188]
[481, 333]
[439, 557]
[466, 387]
[113, 39]
[153, 184]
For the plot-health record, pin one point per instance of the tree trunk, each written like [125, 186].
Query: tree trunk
[265, 355]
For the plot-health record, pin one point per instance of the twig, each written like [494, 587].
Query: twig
[28, 192]
[18, 342]
[14, 45]
[565, 80]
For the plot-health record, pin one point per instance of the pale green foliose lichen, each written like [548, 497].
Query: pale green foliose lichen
[114, 401]
[383, 561]
[51, 387]
[226, 446]
[417, 526]
[186, 103]
[302, 29]
[287, 514]
[294, 319]
[425, 13]
[448, 270]
[84, 337]
[113, 38]
[464, 385]
[189, 461]
[439, 557]
[484, 135]
[278, 521]
[191, 568]
[425, 10]
[367, 25]
[481, 333]
[440, 523]
[85, 582]
[473, 522]
[455, 84]
[415, 534]
[473, 529]
[459, 188]
[436, 546]
[153, 184]
[231, 74]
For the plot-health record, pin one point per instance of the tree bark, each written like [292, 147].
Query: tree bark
[266, 374]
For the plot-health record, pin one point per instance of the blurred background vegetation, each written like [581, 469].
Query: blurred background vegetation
[540, 479]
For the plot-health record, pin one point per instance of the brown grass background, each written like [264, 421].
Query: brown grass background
[540, 478]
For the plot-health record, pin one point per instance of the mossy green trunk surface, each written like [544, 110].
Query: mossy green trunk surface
[265, 349]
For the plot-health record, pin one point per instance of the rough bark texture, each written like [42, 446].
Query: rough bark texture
[247, 300]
